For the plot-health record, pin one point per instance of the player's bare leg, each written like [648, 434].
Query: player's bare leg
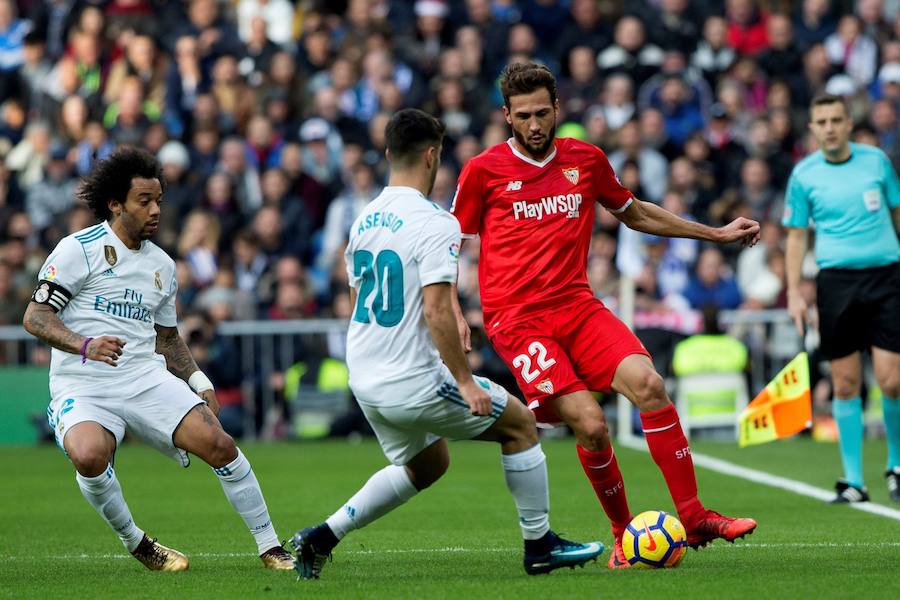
[91, 448]
[201, 434]
[584, 416]
[637, 380]
[846, 407]
[887, 374]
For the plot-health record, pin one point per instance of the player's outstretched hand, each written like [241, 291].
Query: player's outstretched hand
[105, 348]
[209, 396]
[476, 397]
[746, 230]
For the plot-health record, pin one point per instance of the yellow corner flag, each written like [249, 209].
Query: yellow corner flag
[783, 408]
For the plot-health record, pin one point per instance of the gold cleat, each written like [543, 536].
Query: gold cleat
[277, 558]
[157, 557]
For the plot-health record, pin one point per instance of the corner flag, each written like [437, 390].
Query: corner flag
[783, 408]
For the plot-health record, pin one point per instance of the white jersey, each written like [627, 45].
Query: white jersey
[400, 243]
[115, 291]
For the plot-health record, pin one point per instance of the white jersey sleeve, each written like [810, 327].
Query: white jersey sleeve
[166, 315]
[437, 249]
[67, 266]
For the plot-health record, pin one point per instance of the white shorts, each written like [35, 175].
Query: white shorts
[152, 414]
[405, 430]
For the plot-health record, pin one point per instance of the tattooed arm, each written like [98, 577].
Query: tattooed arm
[180, 362]
[178, 358]
[42, 322]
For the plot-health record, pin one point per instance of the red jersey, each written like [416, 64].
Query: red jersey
[535, 220]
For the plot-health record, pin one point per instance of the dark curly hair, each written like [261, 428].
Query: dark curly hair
[524, 78]
[111, 179]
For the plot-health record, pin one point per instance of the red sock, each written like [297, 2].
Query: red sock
[669, 449]
[602, 470]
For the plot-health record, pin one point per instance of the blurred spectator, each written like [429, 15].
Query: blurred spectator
[782, 59]
[277, 16]
[852, 51]
[673, 27]
[618, 100]
[50, 198]
[747, 32]
[581, 85]
[12, 42]
[651, 164]
[813, 23]
[630, 52]
[713, 55]
[758, 283]
[712, 285]
[198, 246]
[586, 27]
[342, 211]
[141, 60]
[28, 158]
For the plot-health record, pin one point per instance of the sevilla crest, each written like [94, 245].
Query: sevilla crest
[546, 385]
[571, 175]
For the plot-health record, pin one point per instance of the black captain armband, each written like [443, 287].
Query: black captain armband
[51, 294]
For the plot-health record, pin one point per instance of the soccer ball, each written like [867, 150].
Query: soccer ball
[653, 540]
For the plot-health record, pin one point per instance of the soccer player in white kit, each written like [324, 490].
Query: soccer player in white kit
[401, 261]
[105, 302]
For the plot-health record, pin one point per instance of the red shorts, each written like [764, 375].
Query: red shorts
[564, 350]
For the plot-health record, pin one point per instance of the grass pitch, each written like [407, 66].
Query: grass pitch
[458, 539]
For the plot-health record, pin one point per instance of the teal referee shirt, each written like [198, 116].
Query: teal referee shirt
[850, 204]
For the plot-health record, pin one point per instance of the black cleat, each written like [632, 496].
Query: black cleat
[560, 553]
[847, 494]
[892, 477]
[311, 556]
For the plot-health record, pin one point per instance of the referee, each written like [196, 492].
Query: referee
[852, 195]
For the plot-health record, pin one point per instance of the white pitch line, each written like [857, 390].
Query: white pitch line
[454, 550]
[791, 485]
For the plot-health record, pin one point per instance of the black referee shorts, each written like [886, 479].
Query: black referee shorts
[858, 309]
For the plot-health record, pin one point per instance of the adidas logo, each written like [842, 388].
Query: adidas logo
[109, 273]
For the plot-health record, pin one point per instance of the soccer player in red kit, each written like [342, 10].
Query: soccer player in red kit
[531, 200]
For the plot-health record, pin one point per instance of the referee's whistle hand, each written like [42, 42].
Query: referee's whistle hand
[745, 230]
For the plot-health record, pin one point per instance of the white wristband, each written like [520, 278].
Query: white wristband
[199, 382]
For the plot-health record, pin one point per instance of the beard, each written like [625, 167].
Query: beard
[536, 149]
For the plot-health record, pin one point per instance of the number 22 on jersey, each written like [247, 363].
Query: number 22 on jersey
[523, 361]
[383, 275]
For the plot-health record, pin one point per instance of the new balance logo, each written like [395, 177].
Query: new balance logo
[514, 186]
[109, 273]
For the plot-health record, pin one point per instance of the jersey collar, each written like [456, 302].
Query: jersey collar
[531, 161]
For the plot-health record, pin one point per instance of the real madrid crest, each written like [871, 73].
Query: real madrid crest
[110, 253]
[157, 280]
[571, 175]
[42, 293]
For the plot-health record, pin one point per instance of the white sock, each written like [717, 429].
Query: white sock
[384, 491]
[104, 493]
[242, 490]
[526, 478]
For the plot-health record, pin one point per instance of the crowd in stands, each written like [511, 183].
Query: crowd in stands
[268, 117]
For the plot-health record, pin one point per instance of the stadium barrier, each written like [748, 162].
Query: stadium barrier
[265, 350]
